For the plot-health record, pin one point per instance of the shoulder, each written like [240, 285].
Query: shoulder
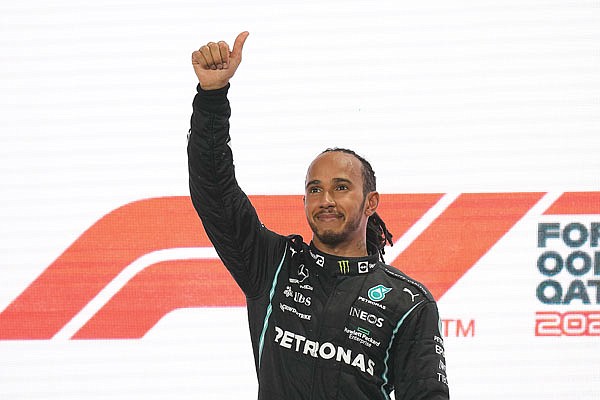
[401, 279]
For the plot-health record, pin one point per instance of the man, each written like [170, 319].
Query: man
[328, 320]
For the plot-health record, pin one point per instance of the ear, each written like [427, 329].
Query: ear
[371, 203]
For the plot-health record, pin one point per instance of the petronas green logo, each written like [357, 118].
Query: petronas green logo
[377, 293]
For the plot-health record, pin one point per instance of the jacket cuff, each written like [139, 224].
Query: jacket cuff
[214, 101]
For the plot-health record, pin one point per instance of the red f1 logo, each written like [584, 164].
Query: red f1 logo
[149, 257]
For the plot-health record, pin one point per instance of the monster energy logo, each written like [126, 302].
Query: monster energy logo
[344, 266]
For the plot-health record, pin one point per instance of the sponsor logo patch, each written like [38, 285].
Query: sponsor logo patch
[377, 293]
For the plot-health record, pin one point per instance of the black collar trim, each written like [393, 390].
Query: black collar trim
[337, 265]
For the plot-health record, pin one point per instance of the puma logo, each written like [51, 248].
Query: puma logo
[412, 296]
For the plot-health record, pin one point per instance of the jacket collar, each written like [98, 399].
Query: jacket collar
[337, 265]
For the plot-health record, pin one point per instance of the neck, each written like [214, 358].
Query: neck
[346, 249]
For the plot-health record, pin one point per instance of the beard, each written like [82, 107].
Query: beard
[334, 238]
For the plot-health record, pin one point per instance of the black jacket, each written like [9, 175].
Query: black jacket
[322, 327]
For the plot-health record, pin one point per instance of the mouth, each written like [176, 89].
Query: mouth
[326, 216]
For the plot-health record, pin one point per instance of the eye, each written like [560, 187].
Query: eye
[314, 189]
[341, 187]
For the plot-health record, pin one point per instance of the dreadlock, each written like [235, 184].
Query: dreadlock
[377, 233]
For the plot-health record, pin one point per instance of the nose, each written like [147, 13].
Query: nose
[327, 200]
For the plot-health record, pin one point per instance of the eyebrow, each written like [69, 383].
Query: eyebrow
[335, 180]
[313, 182]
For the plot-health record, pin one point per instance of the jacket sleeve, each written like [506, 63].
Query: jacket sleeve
[420, 364]
[246, 247]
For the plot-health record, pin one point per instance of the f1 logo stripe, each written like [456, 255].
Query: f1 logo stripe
[110, 293]
[461, 235]
[575, 203]
[95, 259]
[156, 291]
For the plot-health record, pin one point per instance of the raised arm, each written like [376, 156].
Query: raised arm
[246, 248]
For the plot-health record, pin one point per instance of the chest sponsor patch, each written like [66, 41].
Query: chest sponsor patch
[285, 308]
[366, 316]
[362, 336]
[326, 350]
[377, 293]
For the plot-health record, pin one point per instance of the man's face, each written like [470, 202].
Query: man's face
[335, 205]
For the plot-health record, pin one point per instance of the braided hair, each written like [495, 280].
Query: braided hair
[377, 234]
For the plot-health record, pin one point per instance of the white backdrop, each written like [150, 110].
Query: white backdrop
[442, 97]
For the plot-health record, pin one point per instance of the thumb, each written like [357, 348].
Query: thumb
[238, 45]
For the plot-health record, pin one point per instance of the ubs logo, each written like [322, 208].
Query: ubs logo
[297, 296]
